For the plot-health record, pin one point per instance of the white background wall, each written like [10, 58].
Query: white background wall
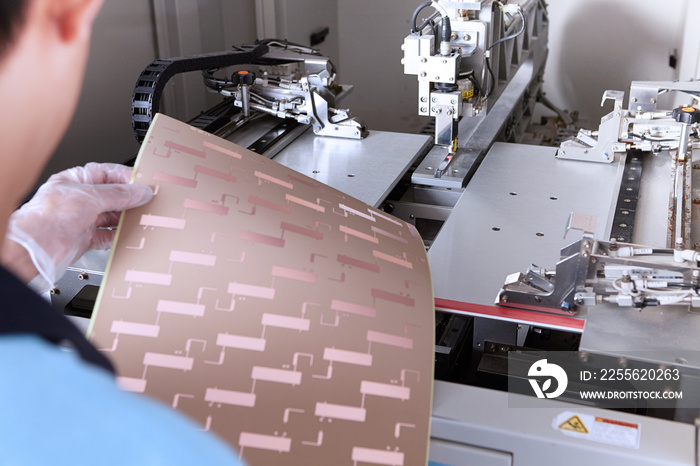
[594, 45]
[601, 44]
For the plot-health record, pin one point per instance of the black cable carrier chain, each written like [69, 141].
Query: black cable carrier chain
[145, 101]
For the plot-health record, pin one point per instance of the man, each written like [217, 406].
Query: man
[59, 403]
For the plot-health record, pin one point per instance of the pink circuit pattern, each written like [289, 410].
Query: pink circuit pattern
[292, 320]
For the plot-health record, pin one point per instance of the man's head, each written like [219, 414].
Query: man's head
[43, 52]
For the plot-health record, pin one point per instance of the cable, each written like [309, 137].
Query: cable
[420, 7]
[499, 41]
[647, 138]
[429, 21]
[492, 82]
[631, 292]
[440, 8]
[512, 36]
[472, 78]
[286, 44]
[667, 290]
[214, 83]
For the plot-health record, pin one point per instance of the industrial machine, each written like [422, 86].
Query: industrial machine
[589, 247]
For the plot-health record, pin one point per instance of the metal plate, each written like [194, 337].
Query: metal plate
[87, 270]
[513, 213]
[366, 169]
[476, 134]
[483, 418]
[651, 222]
[666, 335]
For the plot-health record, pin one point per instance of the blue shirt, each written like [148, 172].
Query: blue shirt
[63, 407]
[56, 409]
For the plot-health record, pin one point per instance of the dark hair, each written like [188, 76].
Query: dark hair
[11, 19]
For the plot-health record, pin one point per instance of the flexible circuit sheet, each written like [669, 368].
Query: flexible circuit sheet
[292, 320]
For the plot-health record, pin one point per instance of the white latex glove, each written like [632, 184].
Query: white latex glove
[68, 214]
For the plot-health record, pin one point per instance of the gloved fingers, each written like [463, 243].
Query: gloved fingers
[108, 220]
[118, 197]
[102, 239]
[95, 173]
[107, 173]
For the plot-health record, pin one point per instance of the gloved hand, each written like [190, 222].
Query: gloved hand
[68, 214]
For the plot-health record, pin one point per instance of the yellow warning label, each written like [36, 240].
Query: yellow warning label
[575, 424]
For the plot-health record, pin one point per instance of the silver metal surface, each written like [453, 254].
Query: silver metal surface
[644, 95]
[513, 213]
[651, 225]
[680, 234]
[503, 53]
[670, 333]
[603, 149]
[367, 169]
[482, 419]
[254, 130]
[87, 270]
[476, 134]
[298, 89]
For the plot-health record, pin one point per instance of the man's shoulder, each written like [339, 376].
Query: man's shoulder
[57, 408]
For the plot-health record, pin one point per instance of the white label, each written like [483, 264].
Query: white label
[598, 429]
